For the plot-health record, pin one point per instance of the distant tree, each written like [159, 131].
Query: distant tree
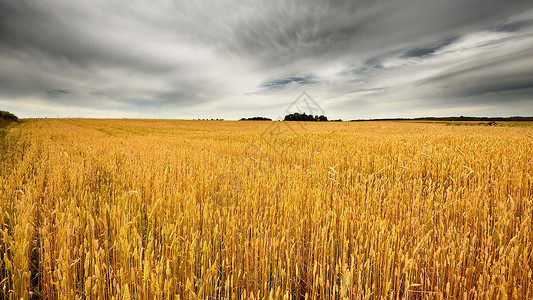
[256, 119]
[5, 115]
[304, 117]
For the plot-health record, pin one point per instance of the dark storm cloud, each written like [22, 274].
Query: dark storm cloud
[49, 30]
[190, 57]
[505, 74]
[279, 34]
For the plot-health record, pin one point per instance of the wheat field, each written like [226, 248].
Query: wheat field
[161, 209]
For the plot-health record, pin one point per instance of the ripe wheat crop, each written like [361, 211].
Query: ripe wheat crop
[154, 209]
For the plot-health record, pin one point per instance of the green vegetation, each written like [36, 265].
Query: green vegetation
[7, 116]
[305, 117]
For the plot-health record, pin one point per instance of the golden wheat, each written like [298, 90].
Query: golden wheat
[153, 209]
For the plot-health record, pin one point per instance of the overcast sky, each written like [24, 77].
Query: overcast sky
[244, 58]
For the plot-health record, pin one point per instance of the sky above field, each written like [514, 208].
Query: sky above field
[245, 58]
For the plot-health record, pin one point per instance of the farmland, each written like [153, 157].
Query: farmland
[145, 209]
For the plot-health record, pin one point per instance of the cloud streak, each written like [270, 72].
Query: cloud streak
[232, 59]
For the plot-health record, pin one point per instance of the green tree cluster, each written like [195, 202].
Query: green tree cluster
[305, 117]
[7, 116]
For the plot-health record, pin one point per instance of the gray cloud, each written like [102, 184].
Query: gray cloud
[289, 33]
[512, 26]
[428, 50]
[507, 71]
[223, 59]
[54, 93]
[283, 82]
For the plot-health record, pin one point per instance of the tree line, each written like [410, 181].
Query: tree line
[7, 116]
[305, 117]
